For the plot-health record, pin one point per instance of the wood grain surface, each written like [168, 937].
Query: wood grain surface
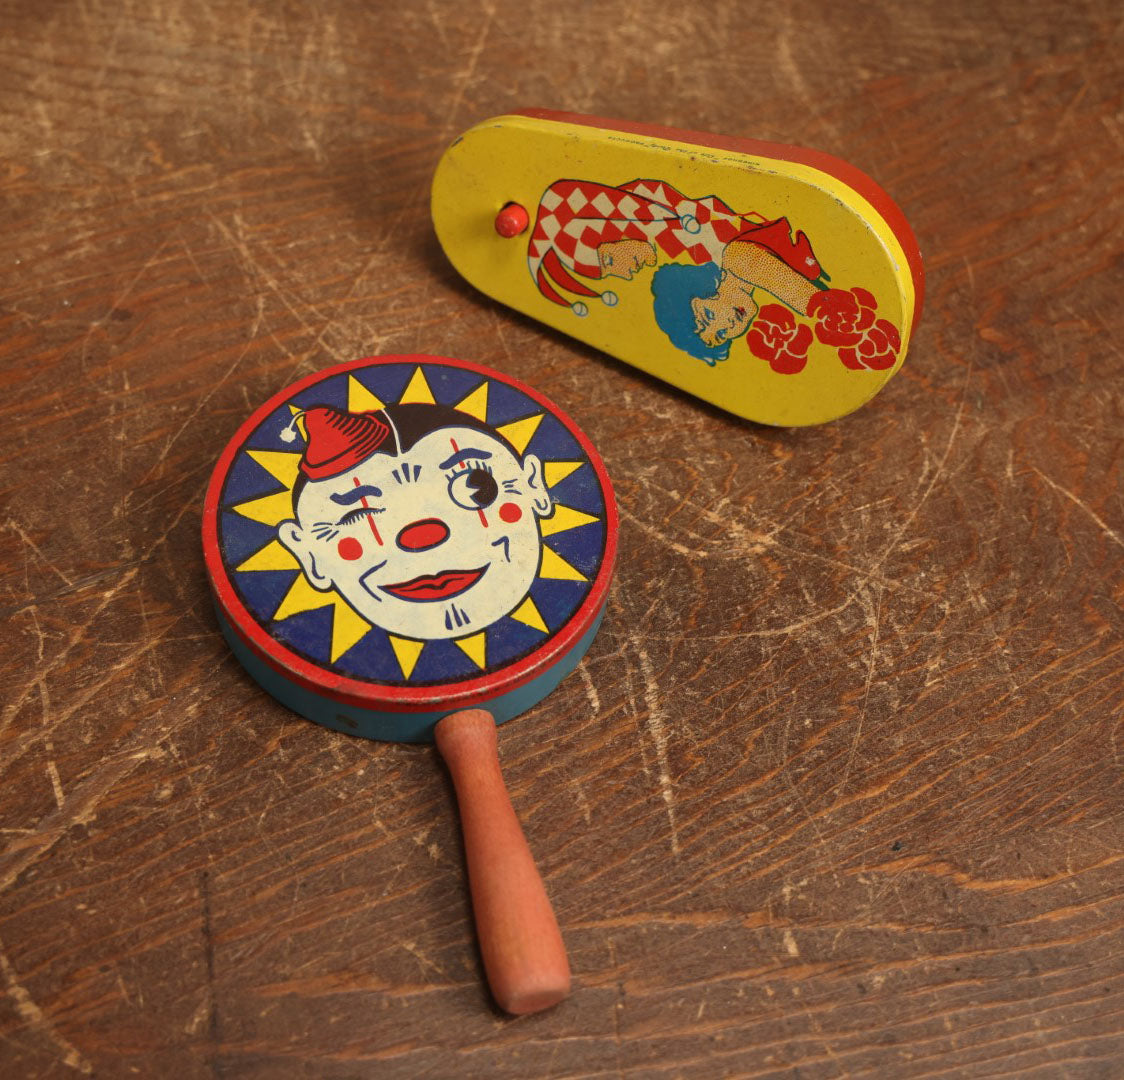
[837, 791]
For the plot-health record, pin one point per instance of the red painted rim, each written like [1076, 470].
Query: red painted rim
[853, 177]
[372, 695]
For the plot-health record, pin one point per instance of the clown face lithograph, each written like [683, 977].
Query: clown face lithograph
[409, 523]
[433, 534]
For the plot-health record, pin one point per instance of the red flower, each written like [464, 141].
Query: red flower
[877, 351]
[842, 317]
[774, 336]
[847, 320]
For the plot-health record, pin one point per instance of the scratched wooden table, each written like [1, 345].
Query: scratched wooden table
[837, 791]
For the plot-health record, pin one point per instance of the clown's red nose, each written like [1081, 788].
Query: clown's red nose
[423, 535]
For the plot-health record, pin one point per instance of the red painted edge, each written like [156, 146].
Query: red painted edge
[477, 691]
[843, 171]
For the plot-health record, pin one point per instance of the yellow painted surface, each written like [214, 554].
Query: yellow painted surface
[516, 158]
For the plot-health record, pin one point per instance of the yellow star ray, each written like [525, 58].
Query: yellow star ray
[348, 628]
[407, 651]
[563, 519]
[528, 614]
[475, 648]
[519, 432]
[554, 472]
[417, 390]
[555, 567]
[302, 597]
[269, 509]
[282, 465]
[476, 403]
[359, 398]
[271, 557]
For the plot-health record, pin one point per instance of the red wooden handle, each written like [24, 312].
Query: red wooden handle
[524, 957]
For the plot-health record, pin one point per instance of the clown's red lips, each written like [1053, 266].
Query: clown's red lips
[435, 586]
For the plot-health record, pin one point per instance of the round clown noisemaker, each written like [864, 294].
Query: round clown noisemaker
[414, 549]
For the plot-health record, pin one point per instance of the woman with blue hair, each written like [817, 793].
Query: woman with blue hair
[703, 308]
[675, 289]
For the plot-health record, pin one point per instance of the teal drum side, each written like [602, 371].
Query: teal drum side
[411, 727]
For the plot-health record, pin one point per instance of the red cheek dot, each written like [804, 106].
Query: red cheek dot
[350, 549]
[510, 513]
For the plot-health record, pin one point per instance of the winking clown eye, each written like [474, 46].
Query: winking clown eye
[353, 516]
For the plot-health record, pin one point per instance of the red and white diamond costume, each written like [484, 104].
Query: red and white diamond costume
[576, 216]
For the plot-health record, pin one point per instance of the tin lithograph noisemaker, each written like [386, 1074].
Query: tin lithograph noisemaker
[779, 283]
[412, 548]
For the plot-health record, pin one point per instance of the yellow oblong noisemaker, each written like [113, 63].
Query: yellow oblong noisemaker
[778, 283]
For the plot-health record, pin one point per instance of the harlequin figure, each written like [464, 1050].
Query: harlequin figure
[423, 518]
[594, 231]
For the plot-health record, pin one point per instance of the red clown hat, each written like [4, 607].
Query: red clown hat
[337, 440]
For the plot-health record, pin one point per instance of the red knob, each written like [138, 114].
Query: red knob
[512, 220]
